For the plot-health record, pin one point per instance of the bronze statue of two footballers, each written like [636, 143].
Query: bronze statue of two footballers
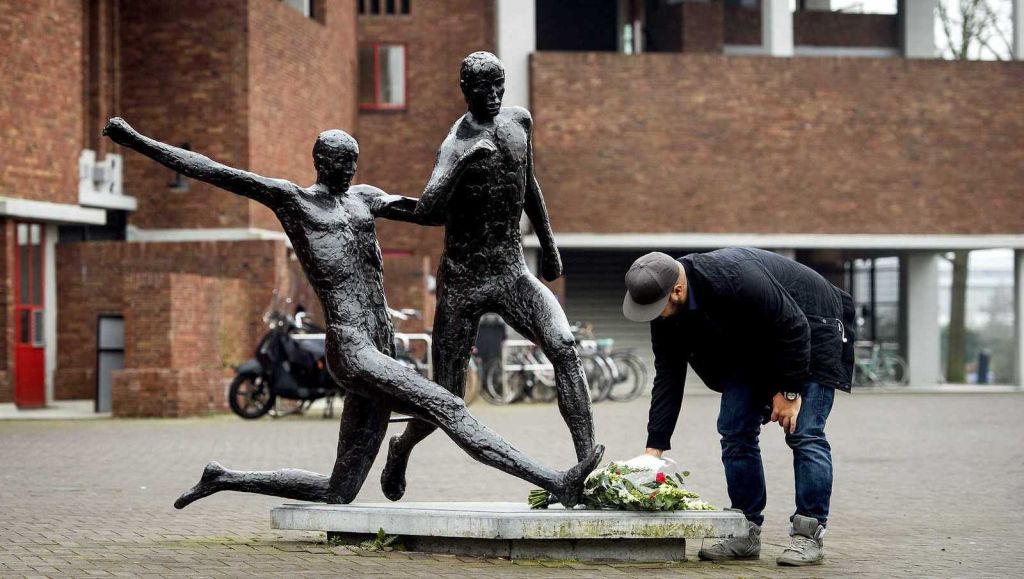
[482, 182]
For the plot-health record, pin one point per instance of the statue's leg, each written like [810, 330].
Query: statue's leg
[289, 483]
[429, 402]
[364, 423]
[532, 310]
[455, 327]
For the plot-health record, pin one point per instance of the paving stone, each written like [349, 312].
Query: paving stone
[932, 477]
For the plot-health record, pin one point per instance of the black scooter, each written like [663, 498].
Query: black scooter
[289, 365]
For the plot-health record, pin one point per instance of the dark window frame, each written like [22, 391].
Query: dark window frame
[377, 105]
[387, 8]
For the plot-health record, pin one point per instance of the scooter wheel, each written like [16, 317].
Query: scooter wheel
[251, 396]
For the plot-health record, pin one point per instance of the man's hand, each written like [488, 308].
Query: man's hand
[785, 412]
[550, 264]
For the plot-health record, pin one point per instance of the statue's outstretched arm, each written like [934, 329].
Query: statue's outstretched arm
[265, 190]
[399, 208]
[448, 168]
[537, 212]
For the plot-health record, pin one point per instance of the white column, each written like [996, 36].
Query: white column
[1018, 316]
[1018, 29]
[920, 297]
[776, 28]
[50, 307]
[516, 39]
[919, 28]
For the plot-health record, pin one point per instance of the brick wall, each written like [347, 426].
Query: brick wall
[41, 117]
[183, 80]
[703, 27]
[101, 71]
[181, 340]
[841, 29]
[302, 80]
[742, 25]
[397, 148]
[92, 282]
[7, 244]
[701, 143]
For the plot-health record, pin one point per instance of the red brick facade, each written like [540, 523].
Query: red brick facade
[182, 338]
[42, 111]
[7, 241]
[184, 80]
[101, 278]
[819, 145]
[301, 81]
[397, 148]
[694, 142]
[742, 25]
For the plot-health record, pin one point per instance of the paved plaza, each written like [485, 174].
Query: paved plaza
[926, 485]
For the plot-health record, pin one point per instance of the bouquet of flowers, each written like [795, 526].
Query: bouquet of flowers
[628, 487]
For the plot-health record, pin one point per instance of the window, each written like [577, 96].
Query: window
[381, 76]
[304, 6]
[383, 7]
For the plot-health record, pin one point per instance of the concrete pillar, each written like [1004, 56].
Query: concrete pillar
[776, 28]
[919, 297]
[918, 28]
[516, 39]
[1018, 29]
[1018, 316]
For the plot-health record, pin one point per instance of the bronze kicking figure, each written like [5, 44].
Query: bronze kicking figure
[330, 225]
[483, 268]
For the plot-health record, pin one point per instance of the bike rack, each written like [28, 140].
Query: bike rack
[407, 339]
[507, 367]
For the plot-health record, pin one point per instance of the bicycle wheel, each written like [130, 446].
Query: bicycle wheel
[599, 379]
[473, 380]
[498, 391]
[892, 370]
[631, 377]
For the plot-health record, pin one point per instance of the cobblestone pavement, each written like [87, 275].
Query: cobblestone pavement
[926, 485]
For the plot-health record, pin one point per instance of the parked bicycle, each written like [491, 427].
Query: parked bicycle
[523, 372]
[623, 373]
[878, 365]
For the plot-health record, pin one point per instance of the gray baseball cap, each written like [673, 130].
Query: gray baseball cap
[649, 284]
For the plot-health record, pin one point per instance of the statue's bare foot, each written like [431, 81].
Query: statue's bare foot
[570, 491]
[392, 480]
[208, 484]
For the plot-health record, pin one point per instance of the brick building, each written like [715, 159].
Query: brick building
[835, 137]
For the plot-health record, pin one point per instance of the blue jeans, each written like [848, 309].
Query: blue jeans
[739, 423]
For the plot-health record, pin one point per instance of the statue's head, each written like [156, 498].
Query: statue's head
[482, 79]
[334, 158]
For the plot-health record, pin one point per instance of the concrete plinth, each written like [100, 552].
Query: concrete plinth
[513, 530]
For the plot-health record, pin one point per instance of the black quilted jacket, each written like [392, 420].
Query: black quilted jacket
[758, 318]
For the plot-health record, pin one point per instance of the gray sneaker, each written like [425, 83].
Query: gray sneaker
[735, 548]
[807, 546]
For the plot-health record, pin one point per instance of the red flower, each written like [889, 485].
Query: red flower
[659, 478]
